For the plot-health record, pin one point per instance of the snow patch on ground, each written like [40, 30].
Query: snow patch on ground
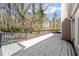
[33, 41]
[10, 49]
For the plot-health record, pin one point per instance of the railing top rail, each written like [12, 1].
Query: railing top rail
[10, 32]
[25, 32]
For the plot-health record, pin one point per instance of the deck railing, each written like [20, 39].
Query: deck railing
[8, 37]
[11, 37]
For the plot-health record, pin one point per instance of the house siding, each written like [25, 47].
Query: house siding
[66, 29]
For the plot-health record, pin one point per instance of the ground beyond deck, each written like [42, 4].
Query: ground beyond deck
[52, 46]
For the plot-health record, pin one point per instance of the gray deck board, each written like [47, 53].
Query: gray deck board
[64, 49]
[52, 46]
[58, 51]
[68, 49]
[72, 51]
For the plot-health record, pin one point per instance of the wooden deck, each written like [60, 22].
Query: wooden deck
[52, 46]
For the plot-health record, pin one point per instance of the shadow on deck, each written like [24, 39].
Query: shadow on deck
[52, 46]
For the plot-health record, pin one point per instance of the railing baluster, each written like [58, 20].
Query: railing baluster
[5, 37]
[8, 38]
[0, 39]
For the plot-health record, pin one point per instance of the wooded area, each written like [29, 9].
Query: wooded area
[21, 17]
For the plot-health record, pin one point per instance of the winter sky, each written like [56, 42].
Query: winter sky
[52, 7]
